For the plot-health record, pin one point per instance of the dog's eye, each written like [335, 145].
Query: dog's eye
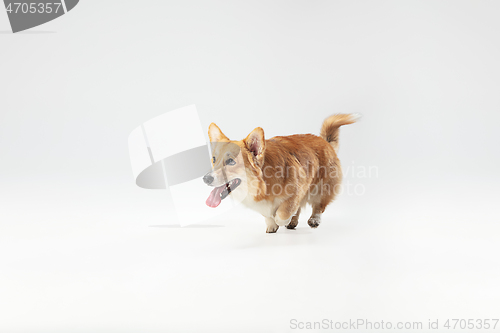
[230, 162]
[213, 159]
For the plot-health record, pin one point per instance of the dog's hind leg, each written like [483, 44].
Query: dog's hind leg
[318, 203]
[315, 218]
[327, 191]
[294, 221]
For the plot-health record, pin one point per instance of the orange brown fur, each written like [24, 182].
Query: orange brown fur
[286, 172]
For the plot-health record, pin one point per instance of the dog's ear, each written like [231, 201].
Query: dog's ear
[256, 143]
[215, 134]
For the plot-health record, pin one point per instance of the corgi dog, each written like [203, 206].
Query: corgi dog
[279, 176]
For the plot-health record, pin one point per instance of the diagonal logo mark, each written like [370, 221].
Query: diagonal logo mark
[26, 14]
[170, 152]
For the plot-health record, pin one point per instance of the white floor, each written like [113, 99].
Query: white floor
[117, 266]
[83, 250]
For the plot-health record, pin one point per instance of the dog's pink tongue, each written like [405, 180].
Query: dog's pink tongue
[214, 197]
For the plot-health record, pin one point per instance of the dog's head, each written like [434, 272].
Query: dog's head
[236, 164]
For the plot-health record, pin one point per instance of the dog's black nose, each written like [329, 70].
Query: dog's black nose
[208, 179]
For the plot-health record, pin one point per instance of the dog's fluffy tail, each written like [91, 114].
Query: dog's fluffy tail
[330, 128]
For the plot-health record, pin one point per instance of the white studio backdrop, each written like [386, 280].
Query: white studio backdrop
[83, 248]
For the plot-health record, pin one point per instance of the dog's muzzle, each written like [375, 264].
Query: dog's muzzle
[219, 193]
[208, 179]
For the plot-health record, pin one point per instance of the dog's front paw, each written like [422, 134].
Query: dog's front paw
[314, 221]
[272, 229]
[293, 223]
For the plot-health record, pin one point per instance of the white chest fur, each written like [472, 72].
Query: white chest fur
[264, 207]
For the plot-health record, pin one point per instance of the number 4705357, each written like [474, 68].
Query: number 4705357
[471, 324]
[34, 7]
